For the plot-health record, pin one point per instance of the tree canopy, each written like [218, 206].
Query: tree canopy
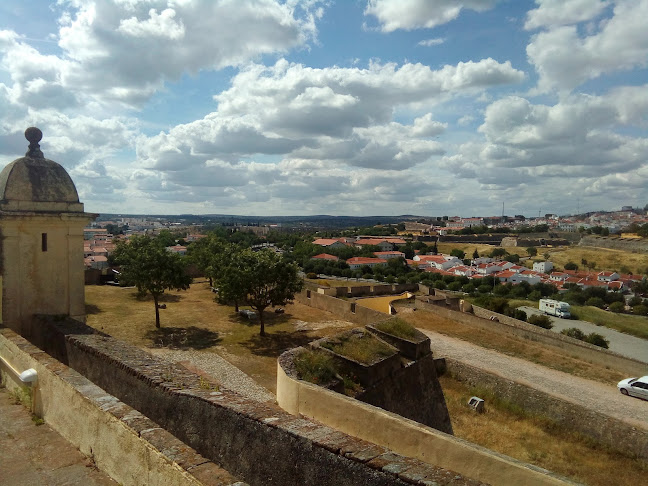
[147, 265]
[261, 279]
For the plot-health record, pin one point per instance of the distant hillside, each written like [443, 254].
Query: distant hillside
[315, 221]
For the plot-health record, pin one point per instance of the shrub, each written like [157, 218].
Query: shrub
[597, 340]
[640, 310]
[595, 302]
[484, 289]
[541, 321]
[571, 266]
[520, 315]
[315, 366]
[592, 338]
[617, 307]
[311, 275]
[574, 332]
[535, 295]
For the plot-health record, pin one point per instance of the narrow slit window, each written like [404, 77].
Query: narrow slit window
[44, 241]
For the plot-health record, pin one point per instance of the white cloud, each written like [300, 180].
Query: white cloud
[565, 60]
[121, 51]
[418, 14]
[431, 42]
[552, 13]
[551, 155]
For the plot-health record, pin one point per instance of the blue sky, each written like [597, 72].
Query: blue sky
[430, 107]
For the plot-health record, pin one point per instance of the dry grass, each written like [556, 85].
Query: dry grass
[469, 248]
[192, 320]
[537, 441]
[364, 348]
[604, 258]
[513, 346]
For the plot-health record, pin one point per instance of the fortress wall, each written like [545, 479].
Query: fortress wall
[342, 308]
[129, 447]
[402, 435]
[258, 442]
[638, 245]
[618, 435]
[570, 346]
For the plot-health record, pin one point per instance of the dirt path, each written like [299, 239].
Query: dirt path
[602, 398]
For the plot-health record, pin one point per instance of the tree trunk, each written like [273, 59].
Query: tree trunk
[262, 332]
[211, 282]
[157, 311]
[236, 309]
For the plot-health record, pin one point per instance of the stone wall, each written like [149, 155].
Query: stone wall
[635, 245]
[570, 346]
[402, 435]
[413, 392]
[342, 308]
[129, 447]
[614, 433]
[257, 442]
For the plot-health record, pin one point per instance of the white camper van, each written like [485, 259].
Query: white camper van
[555, 308]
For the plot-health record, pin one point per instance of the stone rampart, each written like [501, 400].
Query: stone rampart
[635, 245]
[614, 433]
[102, 426]
[402, 435]
[257, 442]
[343, 308]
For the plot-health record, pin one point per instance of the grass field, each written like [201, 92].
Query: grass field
[604, 258]
[193, 321]
[505, 429]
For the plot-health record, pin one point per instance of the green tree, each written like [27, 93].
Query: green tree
[262, 279]
[475, 254]
[456, 252]
[498, 252]
[617, 307]
[166, 238]
[146, 264]
[571, 266]
[532, 251]
[203, 252]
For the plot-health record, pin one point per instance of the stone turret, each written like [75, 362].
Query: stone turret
[41, 223]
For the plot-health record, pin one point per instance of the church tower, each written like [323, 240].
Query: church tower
[41, 225]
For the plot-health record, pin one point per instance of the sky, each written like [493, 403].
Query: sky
[355, 107]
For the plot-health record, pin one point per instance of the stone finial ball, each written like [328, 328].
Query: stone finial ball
[33, 135]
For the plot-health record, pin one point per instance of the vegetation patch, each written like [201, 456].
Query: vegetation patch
[316, 366]
[397, 327]
[362, 347]
[593, 338]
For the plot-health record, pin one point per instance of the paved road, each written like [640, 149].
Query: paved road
[36, 455]
[600, 397]
[621, 343]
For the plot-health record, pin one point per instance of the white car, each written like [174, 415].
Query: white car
[636, 387]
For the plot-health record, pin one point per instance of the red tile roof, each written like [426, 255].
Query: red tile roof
[325, 256]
